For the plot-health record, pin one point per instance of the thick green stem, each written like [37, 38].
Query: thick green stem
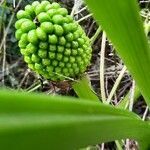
[83, 89]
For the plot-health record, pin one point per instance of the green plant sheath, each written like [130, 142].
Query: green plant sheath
[83, 89]
[123, 25]
[46, 122]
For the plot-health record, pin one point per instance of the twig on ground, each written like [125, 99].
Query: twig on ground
[85, 17]
[84, 8]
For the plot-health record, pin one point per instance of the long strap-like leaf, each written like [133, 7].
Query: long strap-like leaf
[121, 21]
[40, 122]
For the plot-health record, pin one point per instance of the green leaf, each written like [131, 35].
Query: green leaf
[40, 122]
[123, 25]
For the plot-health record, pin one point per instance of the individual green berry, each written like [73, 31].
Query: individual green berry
[43, 17]
[61, 64]
[84, 56]
[23, 14]
[80, 51]
[48, 7]
[65, 71]
[35, 3]
[80, 32]
[60, 49]
[52, 55]
[28, 25]
[50, 69]
[43, 45]
[42, 53]
[74, 65]
[75, 44]
[31, 66]
[58, 30]
[68, 65]
[59, 56]
[47, 27]
[74, 52]
[39, 9]
[45, 3]
[81, 63]
[78, 59]
[35, 58]
[26, 52]
[55, 5]
[52, 12]
[80, 41]
[65, 59]
[67, 52]
[41, 34]
[89, 56]
[76, 70]
[46, 62]
[22, 44]
[23, 41]
[62, 40]
[30, 10]
[81, 68]
[87, 40]
[74, 26]
[52, 39]
[57, 19]
[89, 50]
[67, 28]
[76, 35]
[18, 34]
[72, 59]
[62, 11]
[22, 51]
[19, 22]
[68, 45]
[85, 47]
[70, 19]
[38, 66]
[28, 60]
[86, 61]
[31, 48]
[58, 70]
[52, 48]
[41, 70]
[71, 71]
[54, 63]
[32, 37]
[69, 37]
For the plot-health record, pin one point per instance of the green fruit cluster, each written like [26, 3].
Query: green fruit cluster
[52, 43]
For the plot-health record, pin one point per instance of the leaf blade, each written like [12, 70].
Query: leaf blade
[34, 121]
[123, 26]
